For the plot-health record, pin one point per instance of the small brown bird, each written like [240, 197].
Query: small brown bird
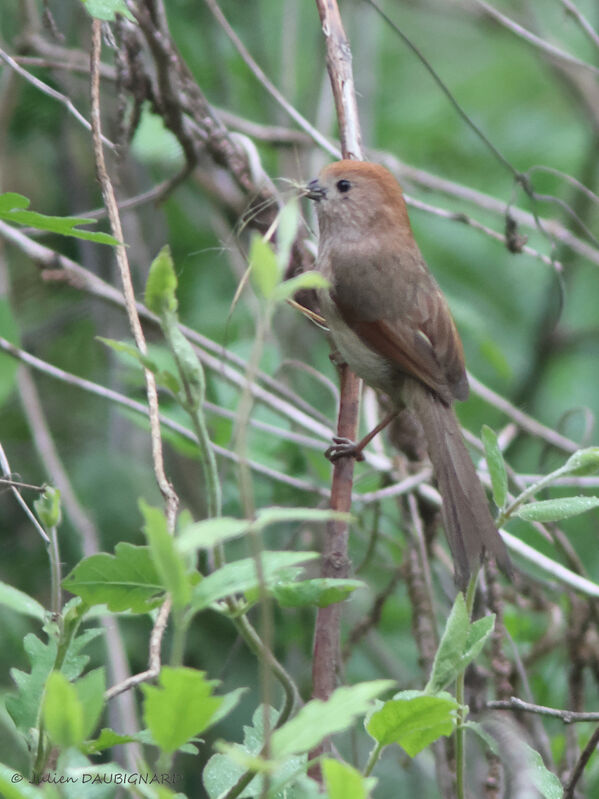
[391, 324]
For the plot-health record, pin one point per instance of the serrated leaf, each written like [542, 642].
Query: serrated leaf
[167, 560]
[317, 720]
[240, 575]
[13, 209]
[414, 720]
[127, 580]
[62, 712]
[161, 286]
[180, 707]
[24, 707]
[311, 279]
[496, 465]
[264, 268]
[553, 510]
[583, 462]
[345, 782]
[320, 592]
[106, 10]
[21, 602]
[223, 770]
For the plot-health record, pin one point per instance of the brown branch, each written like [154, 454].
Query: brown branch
[170, 497]
[326, 657]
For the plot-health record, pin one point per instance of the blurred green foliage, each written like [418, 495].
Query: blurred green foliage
[517, 337]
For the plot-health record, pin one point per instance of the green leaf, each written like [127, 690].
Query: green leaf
[127, 580]
[21, 602]
[13, 209]
[14, 785]
[496, 466]
[583, 462]
[545, 782]
[345, 782]
[161, 286]
[106, 740]
[90, 692]
[169, 563]
[448, 659]
[461, 642]
[413, 719]
[207, 534]
[263, 267]
[223, 770]
[276, 515]
[63, 712]
[131, 350]
[478, 633]
[286, 232]
[553, 510]
[107, 9]
[181, 707]
[48, 509]
[321, 592]
[317, 719]
[24, 707]
[311, 279]
[240, 575]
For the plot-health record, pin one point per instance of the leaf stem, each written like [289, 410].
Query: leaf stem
[373, 757]
[459, 695]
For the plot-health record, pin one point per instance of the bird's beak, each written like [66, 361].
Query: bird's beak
[314, 191]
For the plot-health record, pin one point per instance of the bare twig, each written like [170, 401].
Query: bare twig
[271, 88]
[540, 44]
[50, 92]
[582, 21]
[4, 465]
[326, 654]
[154, 659]
[567, 716]
[584, 758]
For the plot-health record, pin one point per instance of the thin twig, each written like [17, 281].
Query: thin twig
[154, 659]
[271, 88]
[336, 563]
[582, 21]
[50, 92]
[170, 497]
[5, 466]
[536, 41]
[567, 716]
[138, 407]
[584, 758]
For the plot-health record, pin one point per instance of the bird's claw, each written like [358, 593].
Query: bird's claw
[343, 448]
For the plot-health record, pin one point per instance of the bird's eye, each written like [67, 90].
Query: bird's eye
[343, 185]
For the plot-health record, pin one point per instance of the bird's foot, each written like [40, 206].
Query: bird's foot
[343, 448]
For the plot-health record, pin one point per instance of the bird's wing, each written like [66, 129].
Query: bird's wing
[404, 318]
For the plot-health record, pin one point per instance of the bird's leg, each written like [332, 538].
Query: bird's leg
[345, 448]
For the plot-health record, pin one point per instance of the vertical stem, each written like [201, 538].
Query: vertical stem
[459, 695]
[55, 572]
[335, 558]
